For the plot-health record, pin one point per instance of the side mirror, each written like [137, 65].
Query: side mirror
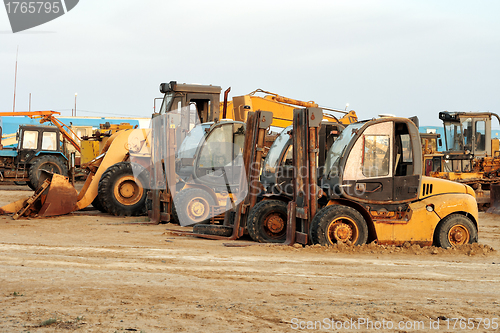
[440, 142]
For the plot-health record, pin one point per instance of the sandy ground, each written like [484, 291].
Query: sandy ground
[97, 273]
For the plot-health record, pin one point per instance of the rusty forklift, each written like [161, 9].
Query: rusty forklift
[266, 189]
[192, 185]
[372, 189]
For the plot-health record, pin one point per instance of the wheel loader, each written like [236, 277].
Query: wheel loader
[372, 189]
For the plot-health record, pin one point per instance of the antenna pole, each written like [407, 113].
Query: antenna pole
[15, 83]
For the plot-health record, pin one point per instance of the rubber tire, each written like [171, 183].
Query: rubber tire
[108, 182]
[323, 219]
[257, 216]
[213, 229]
[441, 233]
[98, 205]
[38, 164]
[183, 198]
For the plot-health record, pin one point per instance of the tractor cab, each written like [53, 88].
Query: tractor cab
[36, 139]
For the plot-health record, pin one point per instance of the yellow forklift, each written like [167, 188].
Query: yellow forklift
[372, 189]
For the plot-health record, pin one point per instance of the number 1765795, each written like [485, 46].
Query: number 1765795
[33, 7]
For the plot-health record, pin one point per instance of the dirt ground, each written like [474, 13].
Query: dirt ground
[94, 273]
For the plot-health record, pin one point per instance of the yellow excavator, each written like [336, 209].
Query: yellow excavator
[112, 185]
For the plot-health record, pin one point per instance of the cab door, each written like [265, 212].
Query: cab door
[384, 165]
[368, 171]
[219, 159]
[407, 162]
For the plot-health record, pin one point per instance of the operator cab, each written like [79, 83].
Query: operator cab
[33, 139]
[204, 99]
[278, 169]
[375, 163]
[467, 136]
[212, 153]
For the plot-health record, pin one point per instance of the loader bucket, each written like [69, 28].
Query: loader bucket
[56, 196]
[61, 197]
[494, 199]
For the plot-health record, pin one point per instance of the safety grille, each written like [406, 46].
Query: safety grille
[426, 189]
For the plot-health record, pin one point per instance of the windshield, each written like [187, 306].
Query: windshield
[167, 100]
[271, 161]
[454, 139]
[336, 151]
[192, 140]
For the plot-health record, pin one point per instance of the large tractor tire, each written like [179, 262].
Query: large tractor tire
[453, 230]
[121, 193]
[267, 221]
[192, 206]
[339, 224]
[98, 205]
[49, 163]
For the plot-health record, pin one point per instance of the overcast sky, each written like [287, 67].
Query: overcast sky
[400, 57]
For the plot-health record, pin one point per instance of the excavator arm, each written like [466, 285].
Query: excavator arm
[281, 107]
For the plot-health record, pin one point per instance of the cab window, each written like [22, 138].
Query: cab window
[403, 159]
[480, 135]
[376, 155]
[30, 139]
[49, 141]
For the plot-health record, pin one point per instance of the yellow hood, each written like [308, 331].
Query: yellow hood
[432, 186]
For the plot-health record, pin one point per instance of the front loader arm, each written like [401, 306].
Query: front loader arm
[116, 152]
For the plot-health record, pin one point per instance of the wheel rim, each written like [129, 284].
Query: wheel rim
[127, 191]
[342, 230]
[50, 167]
[274, 225]
[198, 209]
[458, 235]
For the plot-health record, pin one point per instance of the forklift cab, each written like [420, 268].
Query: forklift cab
[278, 167]
[377, 162]
[218, 159]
